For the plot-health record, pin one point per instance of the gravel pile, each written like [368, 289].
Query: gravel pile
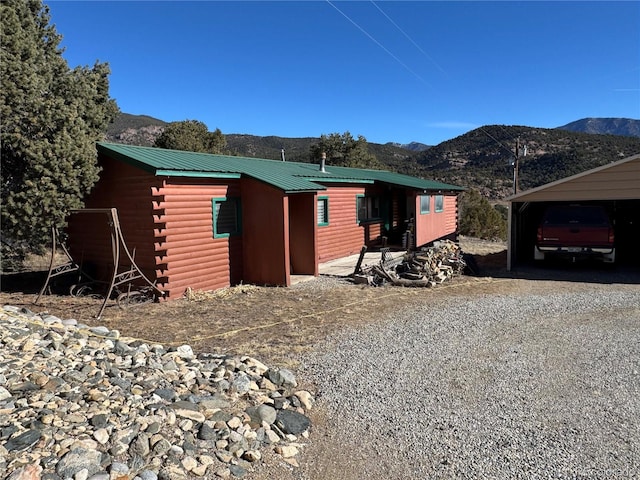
[524, 386]
[83, 403]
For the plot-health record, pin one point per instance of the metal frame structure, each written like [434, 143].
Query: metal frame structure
[118, 246]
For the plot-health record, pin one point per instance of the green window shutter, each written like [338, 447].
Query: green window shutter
[226, 217]
[323, 211]
[361, 208]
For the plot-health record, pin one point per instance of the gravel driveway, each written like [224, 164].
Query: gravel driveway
[525, 385]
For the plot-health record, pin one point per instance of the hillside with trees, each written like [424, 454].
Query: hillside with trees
[481, 159]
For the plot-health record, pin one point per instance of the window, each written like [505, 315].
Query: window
[425, 204]
[439, 203]
[368, 208]
[226, 217]
[323, 211]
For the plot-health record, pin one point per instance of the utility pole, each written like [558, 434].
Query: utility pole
[518, 151]
[515, 167]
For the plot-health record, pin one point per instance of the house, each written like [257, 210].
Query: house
[616, 186]
[210, 221]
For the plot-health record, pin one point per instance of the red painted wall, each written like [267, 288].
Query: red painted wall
[188, 255]
[129, 190]
[169, 224]
[435, 225]
[265, 233]
[303, 241]
[343, 236]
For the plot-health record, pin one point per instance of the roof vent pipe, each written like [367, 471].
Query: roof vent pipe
[282, 153]
[323, 159]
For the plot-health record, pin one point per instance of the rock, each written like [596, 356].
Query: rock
[190, 413]
[118, 471]
[101, 435]
[103, 331]
[252, 455]
[81, 402]
[234, 422]
[172, 472]
[306, 399]
[165, 393]
[224, 456]
[189, 463]
[241, 383]
[4, 394]
[223, 472]
[148, 475]
[79, 459]
[282, 377]
[292, 422]
[287, 451]
[185, 352]
[29, 472]
[23, 441]
[262, 413]
[237, 471]
[140, 446]
[206, 432]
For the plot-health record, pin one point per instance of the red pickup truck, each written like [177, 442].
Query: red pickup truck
[575, 232]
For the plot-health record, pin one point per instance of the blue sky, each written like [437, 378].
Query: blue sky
[391, 71]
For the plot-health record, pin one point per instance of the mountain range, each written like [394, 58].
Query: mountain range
[481, 159]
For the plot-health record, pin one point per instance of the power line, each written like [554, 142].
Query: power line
[496, 140]
[379, 44]
[408, 37]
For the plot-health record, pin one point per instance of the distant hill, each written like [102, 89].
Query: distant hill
[413, 146]
[612, 126]
[143, 130]
[480, 159]
[139, 130]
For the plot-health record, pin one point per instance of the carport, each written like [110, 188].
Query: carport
[616, 186]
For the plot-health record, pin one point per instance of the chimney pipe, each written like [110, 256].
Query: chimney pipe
[323, 159]
[282, 153]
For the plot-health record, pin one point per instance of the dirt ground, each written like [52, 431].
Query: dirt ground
[273, 324]
[279, 325]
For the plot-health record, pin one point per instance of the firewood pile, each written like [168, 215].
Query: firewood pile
[426, 267]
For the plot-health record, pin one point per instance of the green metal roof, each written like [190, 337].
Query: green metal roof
[287, 176]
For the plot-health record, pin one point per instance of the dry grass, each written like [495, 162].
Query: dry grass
[274, 324]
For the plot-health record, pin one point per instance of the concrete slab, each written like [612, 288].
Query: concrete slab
[343, 267]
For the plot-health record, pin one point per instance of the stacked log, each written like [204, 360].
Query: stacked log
[426, 267]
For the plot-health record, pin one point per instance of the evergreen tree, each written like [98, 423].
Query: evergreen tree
[191, 136]
[479, 219]
[344, 151]
[52, 117]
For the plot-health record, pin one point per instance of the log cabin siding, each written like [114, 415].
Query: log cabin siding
[435, 225]
[129, 190]
[342, 236]
[188, 253]
[168, 220]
